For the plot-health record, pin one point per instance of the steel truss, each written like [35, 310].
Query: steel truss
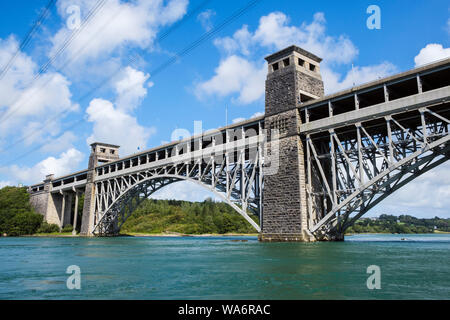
[235, 176]
[352, 169]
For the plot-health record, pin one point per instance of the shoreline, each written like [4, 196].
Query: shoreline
[149, 235]
[181, 235]
[189, 235]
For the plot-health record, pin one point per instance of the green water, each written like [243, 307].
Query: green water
[223, 268]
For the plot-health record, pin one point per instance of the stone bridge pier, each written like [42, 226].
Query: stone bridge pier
[293, 78]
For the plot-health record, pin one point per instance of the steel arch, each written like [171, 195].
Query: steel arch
[367, 169]
[103, 226]
[236, 180]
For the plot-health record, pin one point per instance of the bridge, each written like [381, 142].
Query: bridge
[305, 171]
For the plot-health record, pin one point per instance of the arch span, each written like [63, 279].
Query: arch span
[117, 200]
[368, 163]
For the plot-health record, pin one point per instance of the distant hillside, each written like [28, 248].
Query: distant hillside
[157, 216]
[402, 224]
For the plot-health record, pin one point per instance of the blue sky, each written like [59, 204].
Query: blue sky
[47, 120]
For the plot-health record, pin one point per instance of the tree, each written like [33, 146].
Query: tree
[17, 217]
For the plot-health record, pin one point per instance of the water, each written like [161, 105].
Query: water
[223, 268]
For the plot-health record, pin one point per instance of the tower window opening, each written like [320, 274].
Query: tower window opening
[286, 62]
[301, 62]
[312, 67]
[275, 66]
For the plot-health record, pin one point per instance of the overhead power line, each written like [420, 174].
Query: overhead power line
[9, 113]
[156, 71]
[42, 17]
[131, 59]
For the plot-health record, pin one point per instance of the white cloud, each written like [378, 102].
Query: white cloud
[238, 120]
[184, 190]
[275, 33]
[235, 75]
[112, 125]
[242, 76]
[239, 42]
[205, 19]
[131, 88]
[4, 184]
[257, 114]
[334, 81]
[116, 25]
[64, 142]
[431, 53]
[113, 122]
[431, 195]
[28, 100]
[66, 162]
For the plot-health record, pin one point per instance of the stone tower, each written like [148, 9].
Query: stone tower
[100, 153]
[293, 78]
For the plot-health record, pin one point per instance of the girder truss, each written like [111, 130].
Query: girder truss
[352, 169]
[233, 175]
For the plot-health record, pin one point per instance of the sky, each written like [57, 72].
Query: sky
[132, 72]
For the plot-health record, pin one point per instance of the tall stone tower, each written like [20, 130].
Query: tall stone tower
[100, 153]
[293, 78]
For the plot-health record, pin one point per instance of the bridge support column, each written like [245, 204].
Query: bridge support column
[100, 152]
[66, 209]
[62, 211]
[293, 78]
[87, 220]
[75, 213]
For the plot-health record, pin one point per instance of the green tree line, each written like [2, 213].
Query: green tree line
[401, 224]
[17, 217]
[158, 216]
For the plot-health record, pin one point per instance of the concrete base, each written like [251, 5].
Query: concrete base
[285, 237]
[297, 237]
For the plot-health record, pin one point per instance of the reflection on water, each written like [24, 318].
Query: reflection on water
[412, 267]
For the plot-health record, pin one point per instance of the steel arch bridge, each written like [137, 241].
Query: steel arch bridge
[355, 148]
[233, 172]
